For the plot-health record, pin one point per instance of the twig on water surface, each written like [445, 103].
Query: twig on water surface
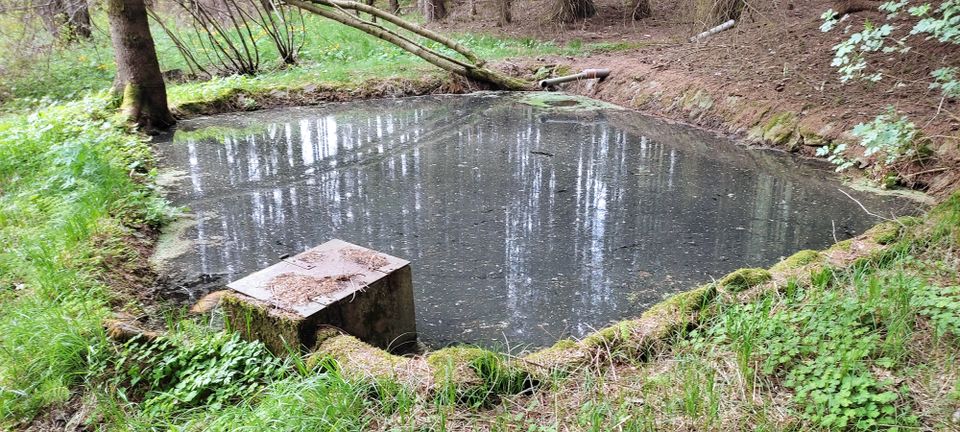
[868, 211]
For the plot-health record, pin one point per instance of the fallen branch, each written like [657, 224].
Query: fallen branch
[411, 27]
[472, 68]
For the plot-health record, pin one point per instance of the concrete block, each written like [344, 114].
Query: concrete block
[363, 292]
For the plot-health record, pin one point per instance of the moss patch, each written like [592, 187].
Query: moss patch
[565, 102]
[884, 233]
[255, 320]
[452, 365]
[744, 279]
[684, 303]
[780, 129]
[796, 261]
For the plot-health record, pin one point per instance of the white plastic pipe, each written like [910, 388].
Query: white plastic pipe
[725, 26]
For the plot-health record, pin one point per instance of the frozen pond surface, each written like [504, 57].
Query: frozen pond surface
[523, 224]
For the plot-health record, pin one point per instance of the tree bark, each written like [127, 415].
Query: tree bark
[67, 20]
[566, 11]
[138, 80]
[395, 6]
[642, 9]
[78, 19]
[433, 10]
[505, 16]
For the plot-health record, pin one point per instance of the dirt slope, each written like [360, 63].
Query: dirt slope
[769, 79]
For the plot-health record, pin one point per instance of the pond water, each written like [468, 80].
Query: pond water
[523, 224]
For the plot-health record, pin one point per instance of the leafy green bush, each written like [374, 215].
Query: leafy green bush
[212, 371]
[890, 137]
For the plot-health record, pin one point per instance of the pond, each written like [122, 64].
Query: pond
[524, 222]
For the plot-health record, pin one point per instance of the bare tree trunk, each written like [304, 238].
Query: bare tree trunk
[78, 19]
[505, 16]
[433, 10]
[50, 14]
[566, 11]
[67, 20]
[138, 71]
[642, 9]
[394, 6]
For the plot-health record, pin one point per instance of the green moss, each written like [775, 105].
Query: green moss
[698, 100]
[843, 246]
[780, 129]
[356, 358]
[884, 233]
[565, 344]
[131, 94]
[565, 102]
[257, 321]
[684, 302]
[744, 279]
[475, 376]
[563, 70]
[563, 356]
[451, 364]
[796, 261]
[610, 336]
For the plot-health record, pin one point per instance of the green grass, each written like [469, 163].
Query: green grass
[65, 177]
[332, 53]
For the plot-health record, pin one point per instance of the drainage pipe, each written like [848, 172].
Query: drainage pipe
[725, 26]
[585, 74]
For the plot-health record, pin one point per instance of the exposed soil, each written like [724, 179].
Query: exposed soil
[775, 62]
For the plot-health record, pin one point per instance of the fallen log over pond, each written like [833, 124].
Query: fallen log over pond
[472, 67]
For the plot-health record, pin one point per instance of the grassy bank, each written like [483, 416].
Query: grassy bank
[332, 54]
[861, 336]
